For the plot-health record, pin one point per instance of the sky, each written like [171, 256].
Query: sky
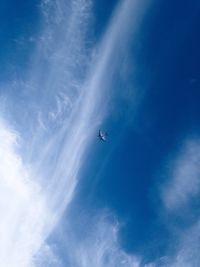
[68, 69]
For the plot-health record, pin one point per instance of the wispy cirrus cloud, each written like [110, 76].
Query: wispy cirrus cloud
[60, 103]
[98, 245]
[102, 248]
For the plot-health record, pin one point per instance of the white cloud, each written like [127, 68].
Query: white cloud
[21, 204]
[184, 176]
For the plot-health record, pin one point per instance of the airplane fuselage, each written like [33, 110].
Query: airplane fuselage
[102, 136]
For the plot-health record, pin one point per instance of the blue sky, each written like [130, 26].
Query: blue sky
[68, 69]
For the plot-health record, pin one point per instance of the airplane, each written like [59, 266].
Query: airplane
[102, 136]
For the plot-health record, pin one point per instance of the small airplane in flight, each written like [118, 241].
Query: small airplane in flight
[102, 136]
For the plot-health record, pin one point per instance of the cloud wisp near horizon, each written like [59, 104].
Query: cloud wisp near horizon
[59, 106]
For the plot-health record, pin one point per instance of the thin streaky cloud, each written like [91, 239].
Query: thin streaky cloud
[47, 172]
